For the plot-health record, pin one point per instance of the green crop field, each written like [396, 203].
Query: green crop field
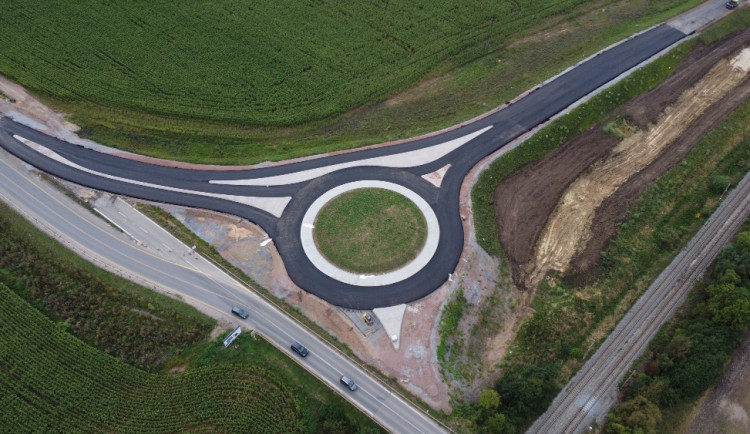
[52, 382]
[210, 81]
[261, 63]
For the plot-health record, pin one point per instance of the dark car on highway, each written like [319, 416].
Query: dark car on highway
[240, 312]
[300, 349]
[731, 4]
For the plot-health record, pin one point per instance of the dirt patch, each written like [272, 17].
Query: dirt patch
[525, 200]
[558, 31]
[560, 212]
[606, 218]
[428, 86]
[568, 230]
[53, 122]
[179, 369]
[218, 330]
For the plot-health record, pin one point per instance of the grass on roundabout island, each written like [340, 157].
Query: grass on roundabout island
[370, 230]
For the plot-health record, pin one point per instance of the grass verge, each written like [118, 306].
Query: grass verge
[370, 230]
[451, 338]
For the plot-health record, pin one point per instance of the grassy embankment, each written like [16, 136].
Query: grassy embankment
[59, 381]
[370, 230]
[215, 84]
[571, 320]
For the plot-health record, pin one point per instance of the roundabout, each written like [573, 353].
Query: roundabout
[307, 229]
[284, 199]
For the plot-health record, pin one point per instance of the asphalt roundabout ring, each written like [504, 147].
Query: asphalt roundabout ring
[369, 280]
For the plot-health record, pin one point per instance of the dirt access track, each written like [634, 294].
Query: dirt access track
[560, 212]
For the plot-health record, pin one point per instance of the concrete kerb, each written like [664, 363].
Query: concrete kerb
[371, 280]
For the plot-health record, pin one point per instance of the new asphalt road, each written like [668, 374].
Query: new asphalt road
[276, 198]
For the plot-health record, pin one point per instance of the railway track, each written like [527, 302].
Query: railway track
[592, 392]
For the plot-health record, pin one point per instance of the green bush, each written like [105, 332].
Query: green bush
[450, 337]
[719, 184]
[636, 416]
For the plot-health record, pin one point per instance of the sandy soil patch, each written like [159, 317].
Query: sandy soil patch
[426, 87]
[54, 122]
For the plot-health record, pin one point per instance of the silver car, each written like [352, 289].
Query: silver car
[348, 382]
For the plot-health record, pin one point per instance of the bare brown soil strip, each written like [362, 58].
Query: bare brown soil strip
[524, 200]
[606, 177]
[605, 220]
[568, 230]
